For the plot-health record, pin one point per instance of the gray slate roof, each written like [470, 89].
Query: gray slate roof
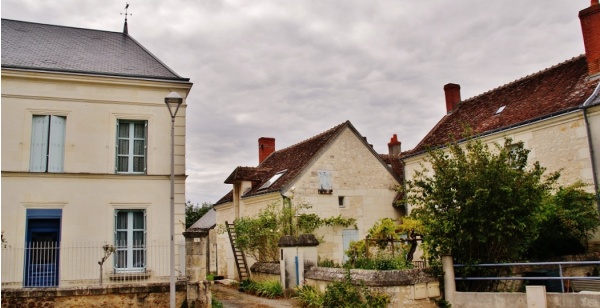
[207, 221]
[27, 45]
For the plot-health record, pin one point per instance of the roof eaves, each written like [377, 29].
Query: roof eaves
[490, 132]
[38, 69]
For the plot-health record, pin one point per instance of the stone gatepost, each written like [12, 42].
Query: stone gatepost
[295, 253]
[198, 288]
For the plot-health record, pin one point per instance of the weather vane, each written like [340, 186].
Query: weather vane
[125, 26]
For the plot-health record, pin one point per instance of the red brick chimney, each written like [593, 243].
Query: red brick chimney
[590, 28]
[452, 92]
[394, 146]
[266, 146]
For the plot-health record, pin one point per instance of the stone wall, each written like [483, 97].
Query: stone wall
[134, 296]
[406, 288]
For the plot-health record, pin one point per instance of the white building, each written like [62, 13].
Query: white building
[86, 145]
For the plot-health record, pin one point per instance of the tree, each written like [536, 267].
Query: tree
[479, 204]
[567, 221]
[193, 212]
[259, 235]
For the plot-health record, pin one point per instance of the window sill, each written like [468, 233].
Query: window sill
[325, 191]
[130, 276]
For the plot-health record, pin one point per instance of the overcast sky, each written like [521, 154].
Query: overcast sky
[290, 69]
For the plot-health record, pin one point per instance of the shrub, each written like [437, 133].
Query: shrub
[309, 297]
[344, 294]
[263, 288]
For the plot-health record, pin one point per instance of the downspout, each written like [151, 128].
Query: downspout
[592, 157]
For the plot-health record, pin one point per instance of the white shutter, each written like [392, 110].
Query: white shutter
[39, 143]
[56, 150]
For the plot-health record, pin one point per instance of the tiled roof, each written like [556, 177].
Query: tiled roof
[254, 174]
[553, 91]
[27, 45]
[292, 159]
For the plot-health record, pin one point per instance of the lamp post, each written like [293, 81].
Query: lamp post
[173, 102]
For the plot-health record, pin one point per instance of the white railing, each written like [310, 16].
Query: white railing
[52, 264]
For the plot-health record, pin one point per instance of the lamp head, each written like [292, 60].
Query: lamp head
[173, 102]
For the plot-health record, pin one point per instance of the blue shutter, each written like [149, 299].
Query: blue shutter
[39, 143]
[56, 148]
[325, 180]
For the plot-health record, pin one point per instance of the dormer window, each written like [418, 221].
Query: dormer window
[272, 180]
[500, 109]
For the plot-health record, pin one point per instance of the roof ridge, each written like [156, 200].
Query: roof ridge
[316, 136]
[60, 26]
[506, 85]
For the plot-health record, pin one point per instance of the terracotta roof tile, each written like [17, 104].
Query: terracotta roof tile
[292, 159]
[553, 91]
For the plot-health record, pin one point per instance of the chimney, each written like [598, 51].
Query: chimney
[266, 146]
[452, 92]
[394, 146]
[590, 28]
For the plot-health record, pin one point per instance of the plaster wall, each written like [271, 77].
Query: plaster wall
[89, 190]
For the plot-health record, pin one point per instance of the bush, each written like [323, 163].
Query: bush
[263, 288]
[309, 297]
[344, 294]
[382, 262]
[216, 303]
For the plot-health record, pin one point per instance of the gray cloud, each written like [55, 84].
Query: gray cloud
[292, 69]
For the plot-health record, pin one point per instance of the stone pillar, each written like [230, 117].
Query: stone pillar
[294, 255]
[198, 289]
[449, 281]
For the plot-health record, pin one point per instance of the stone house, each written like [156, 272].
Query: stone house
[337, 172]
[86, 155]
[555, 112]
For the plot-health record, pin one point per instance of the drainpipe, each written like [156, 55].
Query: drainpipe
[593, 158]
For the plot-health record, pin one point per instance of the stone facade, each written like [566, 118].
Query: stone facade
[406, 288]
[149, 295]
[367, 187]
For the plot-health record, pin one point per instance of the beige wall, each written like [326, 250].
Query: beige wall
[559, 144]
[89, 191]
[357, 174]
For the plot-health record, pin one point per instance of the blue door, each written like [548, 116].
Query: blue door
[42, 250]
[348, 236]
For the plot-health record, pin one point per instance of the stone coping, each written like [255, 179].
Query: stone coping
[270, 268]
[158, 287]
[372, 278]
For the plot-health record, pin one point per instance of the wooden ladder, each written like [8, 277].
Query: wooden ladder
[238, 253]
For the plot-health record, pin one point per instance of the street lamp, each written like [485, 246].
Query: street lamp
[173, 102]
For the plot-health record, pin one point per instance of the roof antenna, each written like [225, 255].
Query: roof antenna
[125, 25]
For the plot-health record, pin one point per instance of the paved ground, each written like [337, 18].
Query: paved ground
[232, 298]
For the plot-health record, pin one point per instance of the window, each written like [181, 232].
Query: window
[130, 240]
[47, 143]
[131, 146]
[325, 182]
[341, 201]
[272, 180]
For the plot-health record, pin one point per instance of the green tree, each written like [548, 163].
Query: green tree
[480, 204]
[259, 235]
[567, 221]
[193, 212]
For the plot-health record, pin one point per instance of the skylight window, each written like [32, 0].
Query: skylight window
[500, 110]
[272, 180]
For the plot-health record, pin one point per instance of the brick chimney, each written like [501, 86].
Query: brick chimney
[452, 92]
[266, 146]
[394, 146]
[590, 28]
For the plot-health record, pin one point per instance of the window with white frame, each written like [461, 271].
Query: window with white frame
[131, 146]
[47, 143]
[130, 240]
